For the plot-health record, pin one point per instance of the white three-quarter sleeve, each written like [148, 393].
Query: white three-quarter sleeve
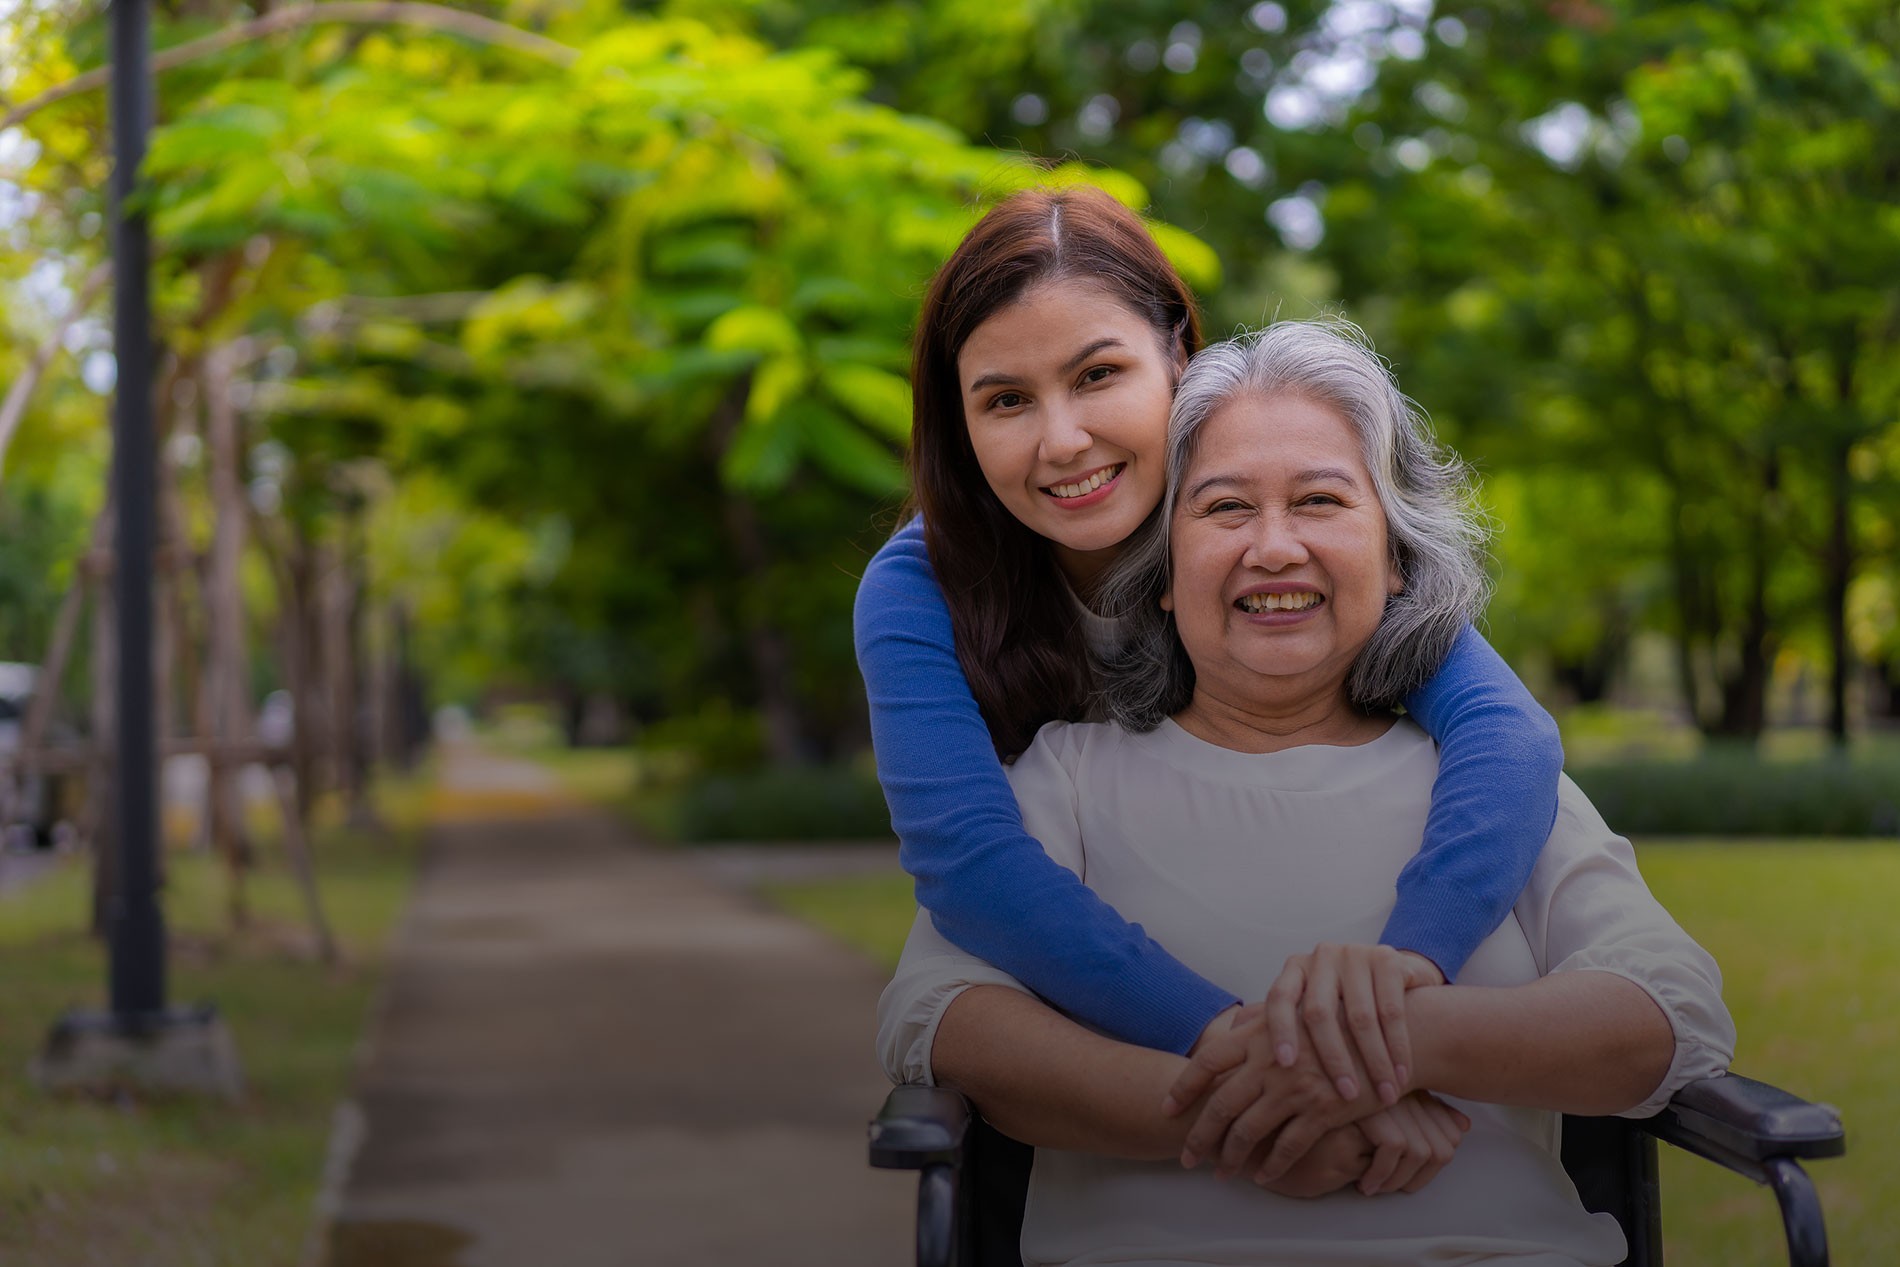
[933, 971]
[1586, 908]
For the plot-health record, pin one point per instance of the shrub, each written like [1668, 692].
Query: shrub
[1736, 793]
[840, 802]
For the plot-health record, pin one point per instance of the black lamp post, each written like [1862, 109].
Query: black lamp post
[139, 1042]
[136, 924]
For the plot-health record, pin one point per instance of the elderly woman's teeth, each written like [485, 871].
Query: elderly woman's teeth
[1088, 485]
[1257, 603]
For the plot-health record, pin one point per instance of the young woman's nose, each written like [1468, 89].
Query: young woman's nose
[1274, 544]
[1063, 435]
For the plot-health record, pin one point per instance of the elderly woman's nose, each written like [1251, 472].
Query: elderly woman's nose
[1274, 544]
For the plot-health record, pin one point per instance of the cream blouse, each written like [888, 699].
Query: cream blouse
[1235, 861]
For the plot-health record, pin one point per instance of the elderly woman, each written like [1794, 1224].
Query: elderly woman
[1312, 559]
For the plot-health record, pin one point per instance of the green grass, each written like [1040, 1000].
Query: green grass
[161, 1181]
[1809, 948]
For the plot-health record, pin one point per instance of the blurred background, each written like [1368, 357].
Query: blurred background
[535, 372]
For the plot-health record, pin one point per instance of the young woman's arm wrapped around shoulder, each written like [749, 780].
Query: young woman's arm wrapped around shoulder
[989, 886]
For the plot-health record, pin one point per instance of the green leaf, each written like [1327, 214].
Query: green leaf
[849, 455]
[773, 387]
[754, 329]
[1199, 266]
[874, 397]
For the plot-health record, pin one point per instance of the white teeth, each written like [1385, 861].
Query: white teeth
[1088, 485]
[1257, 603]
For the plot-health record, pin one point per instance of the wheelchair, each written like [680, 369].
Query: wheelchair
[973, 1180]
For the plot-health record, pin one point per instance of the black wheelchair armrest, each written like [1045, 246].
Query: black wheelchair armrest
[1760, 1131]
[923, 1128]
[1742, 1124]
[919, 1126]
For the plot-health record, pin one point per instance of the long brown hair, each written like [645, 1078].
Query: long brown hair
[1017, 635]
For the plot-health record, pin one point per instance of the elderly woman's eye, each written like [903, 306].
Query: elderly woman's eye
[1098, 373]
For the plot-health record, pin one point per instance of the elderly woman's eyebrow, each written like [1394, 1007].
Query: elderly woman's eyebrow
[1320, 474]
[1312, 475]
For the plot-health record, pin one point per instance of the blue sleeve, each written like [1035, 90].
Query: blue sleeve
[1493, 805]
[987, 883]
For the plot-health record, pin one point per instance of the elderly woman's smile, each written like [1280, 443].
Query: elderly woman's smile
[1280, 561]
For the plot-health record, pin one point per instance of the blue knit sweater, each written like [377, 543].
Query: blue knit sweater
[991, 889]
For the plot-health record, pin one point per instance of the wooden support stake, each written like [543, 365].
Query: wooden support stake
[297, 849]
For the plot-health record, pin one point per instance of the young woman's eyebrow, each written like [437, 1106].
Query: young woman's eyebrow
[1100, 345]
[997, 379]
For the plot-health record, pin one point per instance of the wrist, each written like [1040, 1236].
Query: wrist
[1222, 1025]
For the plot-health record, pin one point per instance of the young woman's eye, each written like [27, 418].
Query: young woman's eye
[1098, 373]
[1008, 400]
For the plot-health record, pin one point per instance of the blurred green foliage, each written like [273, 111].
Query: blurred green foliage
[1729, 791]
[603, 352]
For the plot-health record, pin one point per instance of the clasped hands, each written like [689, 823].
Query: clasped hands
[1309, 1090]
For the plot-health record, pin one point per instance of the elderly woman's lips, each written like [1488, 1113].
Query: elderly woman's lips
[1261, 604]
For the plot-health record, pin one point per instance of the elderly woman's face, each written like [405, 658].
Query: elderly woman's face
[1281, 567]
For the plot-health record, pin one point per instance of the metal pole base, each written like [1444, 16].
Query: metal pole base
[180, 1051]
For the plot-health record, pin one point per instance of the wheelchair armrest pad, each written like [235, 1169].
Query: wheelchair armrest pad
[919, 1126]
[1739, 1123]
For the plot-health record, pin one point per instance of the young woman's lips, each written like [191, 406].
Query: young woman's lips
[1089, 498]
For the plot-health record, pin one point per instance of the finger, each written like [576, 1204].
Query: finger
[1418, 1151]
[1205, 1065]
[1389, 998]
[1294, 1139]
[1210, 1129]
[1281, 1004]
[1319, 1009]
[1364, 1015]
[1255, 1124]
[1452, 1120]
[1419, 970]
[1442, 1147]
[1442, 1134]
[1388, 1146]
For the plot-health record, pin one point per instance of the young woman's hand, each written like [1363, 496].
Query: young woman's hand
[1364, 985]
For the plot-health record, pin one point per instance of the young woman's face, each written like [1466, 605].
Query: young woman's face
[1281, 563]
[1066, 395]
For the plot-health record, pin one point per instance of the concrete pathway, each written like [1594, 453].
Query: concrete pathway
[595, 1053]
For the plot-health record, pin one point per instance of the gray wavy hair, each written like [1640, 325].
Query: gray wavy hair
[1434, 529]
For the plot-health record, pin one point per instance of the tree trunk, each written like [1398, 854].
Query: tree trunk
[99, 827]
[1688, 616]
[226, 670]
[59, 647]
[787, 739]
[1837, 570]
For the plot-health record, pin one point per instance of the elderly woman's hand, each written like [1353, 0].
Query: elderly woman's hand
[1400, 1149]
[1413, 1140]
[1256, 1100]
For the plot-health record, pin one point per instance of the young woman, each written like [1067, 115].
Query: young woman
[1046, 357]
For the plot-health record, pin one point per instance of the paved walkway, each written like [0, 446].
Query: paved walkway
[594, 1053]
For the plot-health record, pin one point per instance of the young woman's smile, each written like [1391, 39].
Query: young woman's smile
[1066, 394]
